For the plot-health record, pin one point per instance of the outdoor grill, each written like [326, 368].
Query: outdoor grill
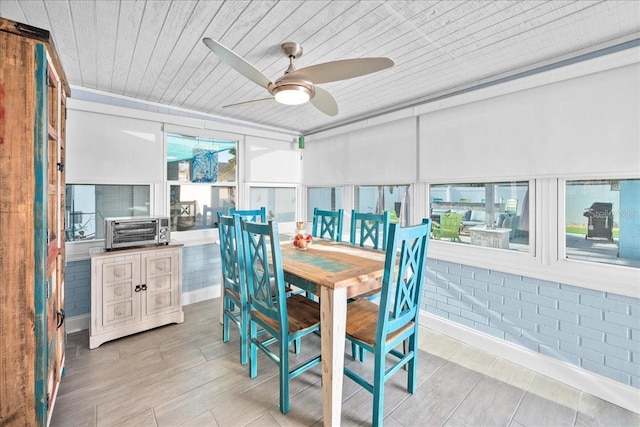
[600, 221]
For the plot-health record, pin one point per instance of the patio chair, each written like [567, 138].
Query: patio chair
[327, 224]
[449, 227]
[381, 328]
[285, 319]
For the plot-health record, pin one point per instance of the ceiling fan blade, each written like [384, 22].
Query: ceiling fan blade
[324, 102]
[253, 101]
[237, 63]
[341, 70]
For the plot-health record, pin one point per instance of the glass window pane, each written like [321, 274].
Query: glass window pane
[603, 221]
[86, 207]
[200, 159]
[195, 206]
[280, 202]
[325, 198]
[379, 198]
[482, 214]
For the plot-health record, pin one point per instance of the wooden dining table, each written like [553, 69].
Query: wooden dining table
[334, 272]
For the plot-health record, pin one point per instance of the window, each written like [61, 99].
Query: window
[325, 198]
[379, 198]
[200, 159]
[199, 171]
[280, 202]
[602, 221]
[482, 214]
[196, 207]
[86, 207]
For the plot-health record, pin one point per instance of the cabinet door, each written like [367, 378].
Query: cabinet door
[118, 290]
[55, 329]
[56, 114]
[161, 273]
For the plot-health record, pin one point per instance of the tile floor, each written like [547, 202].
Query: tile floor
[183, 375]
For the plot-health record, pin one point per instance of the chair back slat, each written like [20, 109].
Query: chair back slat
[403, 277]
[328, 224]
[368, 229]
[263, 268]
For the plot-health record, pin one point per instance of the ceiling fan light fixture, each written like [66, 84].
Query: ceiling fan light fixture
[292, 94]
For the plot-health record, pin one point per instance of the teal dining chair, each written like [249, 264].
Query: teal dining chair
[328, 224]
[255, 215]
[284, 319]
[368, 230]
[380, 329]
[234, 291]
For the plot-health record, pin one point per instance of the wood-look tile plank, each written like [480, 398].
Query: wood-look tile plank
[140, 399]
[490, 403]
[536, 410]
[511, 373]
[436, 399]
[206, 419]
[143, 419]
[596, 412]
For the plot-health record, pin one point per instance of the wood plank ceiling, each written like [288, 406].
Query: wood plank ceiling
[153, 50]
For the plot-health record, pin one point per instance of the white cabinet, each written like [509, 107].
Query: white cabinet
[134, 290]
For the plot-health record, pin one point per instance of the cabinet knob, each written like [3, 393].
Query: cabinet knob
[138, 288]
[143, 286]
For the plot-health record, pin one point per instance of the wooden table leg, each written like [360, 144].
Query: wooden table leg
[333, 317]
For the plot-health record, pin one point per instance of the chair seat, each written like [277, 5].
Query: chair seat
[303, 314]
[235, 295]
[362, 321]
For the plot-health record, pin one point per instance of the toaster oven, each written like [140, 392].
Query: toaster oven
[127, 232]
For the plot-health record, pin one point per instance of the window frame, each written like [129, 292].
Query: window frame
[546, 259]
[203, 235]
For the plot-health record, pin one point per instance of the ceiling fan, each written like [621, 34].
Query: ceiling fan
[299, 86]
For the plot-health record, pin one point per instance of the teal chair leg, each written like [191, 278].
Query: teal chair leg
[413, 366]
[284, 376]
[378, 390]
[253, 359]
[357, 352]
[244, 337]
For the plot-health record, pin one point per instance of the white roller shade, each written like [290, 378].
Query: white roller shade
[586, 125]
[268, 160]
[383, 154]
[105, 148]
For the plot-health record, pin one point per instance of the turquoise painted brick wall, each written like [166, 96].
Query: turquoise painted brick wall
[77, 288]
[200, 269]
[597, 331]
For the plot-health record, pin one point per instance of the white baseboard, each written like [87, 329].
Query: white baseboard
[203, 294]
[77, 323]
[82, 322]
[605, 388]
